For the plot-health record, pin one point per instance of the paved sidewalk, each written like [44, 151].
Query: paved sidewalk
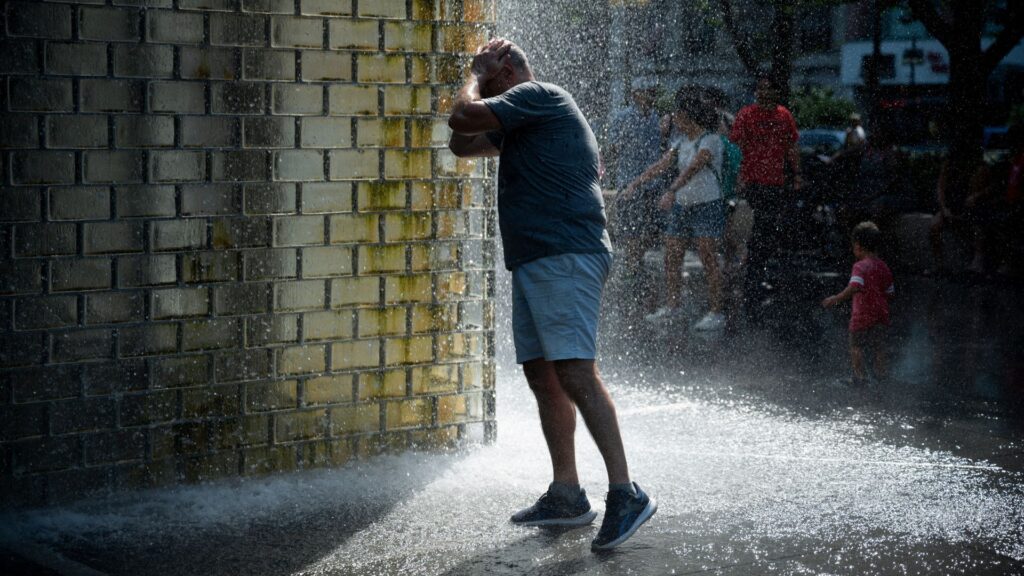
[761, 464]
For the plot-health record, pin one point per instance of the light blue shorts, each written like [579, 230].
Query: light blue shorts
[706, 220]
[555, 305]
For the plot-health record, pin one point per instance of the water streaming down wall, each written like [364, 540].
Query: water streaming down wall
[232, 240]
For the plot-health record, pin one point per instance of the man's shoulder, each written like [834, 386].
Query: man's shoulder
[745, 112]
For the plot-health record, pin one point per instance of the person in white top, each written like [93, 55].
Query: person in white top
[695, 205]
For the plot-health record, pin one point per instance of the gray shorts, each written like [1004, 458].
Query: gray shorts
[555, 305]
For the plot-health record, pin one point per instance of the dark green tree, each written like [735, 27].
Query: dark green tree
[763, 34]
[960, 26]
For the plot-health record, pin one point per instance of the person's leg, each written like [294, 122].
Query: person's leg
[675, 252]
[935, 240]
[880, 365]
[557, 418]
[857, 358]
[757, 249]
[707, 248]
[634, 247]
[582, 383]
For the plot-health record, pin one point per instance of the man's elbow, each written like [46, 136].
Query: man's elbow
[457, 148]
[460, 124]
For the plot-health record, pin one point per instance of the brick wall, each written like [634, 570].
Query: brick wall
[232, 240]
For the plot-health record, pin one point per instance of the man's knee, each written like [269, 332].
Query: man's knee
[540, 375]
[578, 378]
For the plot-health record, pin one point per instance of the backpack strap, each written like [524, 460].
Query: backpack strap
[709, 165]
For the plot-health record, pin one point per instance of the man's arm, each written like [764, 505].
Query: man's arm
[472, 146]
[843, 296]
[794, 162]
[470, 115]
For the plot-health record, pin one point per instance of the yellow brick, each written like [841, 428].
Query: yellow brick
[425, 9]
[382, 321]
[422, 196]
[327, 325]
[420, 72]
[460, 38]
[459, 408]
[348, 228]
[349, 100]
[376, 196]
[328, 389]
[327, 453]
[354, 291]
[407, 36]
[268, 459]
[302, 295]
[435, 318]
[479, 11]
[377, 444]
[451, 225]
[456, 346]
[453, 286]
[416, 288]
[444, 438]
[377, 132]
[260, 396]
[448, 164]
[404, 227]
[377, 385]
[421, 132]
[214, 400]
[474, 376]
[435, 379]
[414, 350]
[321, 197]
[322, 261]
[406, 100]
[420, 258]
[450, 68]
[355, 354]
[304, 425]
[355, 419]
[354, 164]
[444, 102]
[381, 68]
[449, 195]
[345, 33]
[409, 413]
[381, 259]
[301, 360]
[451, 409]
[400, 164]
[382, 9]
[210, 466]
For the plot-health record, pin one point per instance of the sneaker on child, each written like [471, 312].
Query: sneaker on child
[663, 314]
[554, 510]
[711, 321]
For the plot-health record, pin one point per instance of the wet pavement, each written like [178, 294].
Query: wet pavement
[761, 460]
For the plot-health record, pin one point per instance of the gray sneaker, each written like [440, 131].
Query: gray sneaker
[550, 510]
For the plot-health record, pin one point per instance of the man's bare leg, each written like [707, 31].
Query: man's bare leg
[581, 381]
[557, 418]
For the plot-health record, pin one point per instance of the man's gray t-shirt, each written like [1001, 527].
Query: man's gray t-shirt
[549, 196]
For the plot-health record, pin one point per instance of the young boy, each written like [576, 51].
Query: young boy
[871, 288]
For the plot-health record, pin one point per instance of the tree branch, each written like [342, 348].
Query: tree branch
[937, 25]
[740, 41]
[1007, 40]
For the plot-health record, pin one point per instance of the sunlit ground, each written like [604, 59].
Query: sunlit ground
[741, 488]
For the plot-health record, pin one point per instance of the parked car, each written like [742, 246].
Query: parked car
[818, 141]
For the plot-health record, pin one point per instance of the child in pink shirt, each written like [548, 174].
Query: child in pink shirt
[871, 288]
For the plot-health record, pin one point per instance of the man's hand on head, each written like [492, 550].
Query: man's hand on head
[489, 58]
